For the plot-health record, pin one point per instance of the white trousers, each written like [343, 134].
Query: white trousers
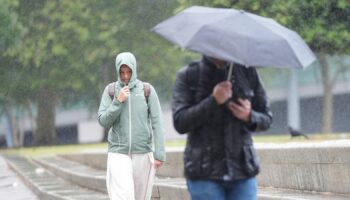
[130, 177]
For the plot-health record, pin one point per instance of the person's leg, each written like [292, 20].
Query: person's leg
[144, 171]
[245, 189]
[205, 190]
[119, 179]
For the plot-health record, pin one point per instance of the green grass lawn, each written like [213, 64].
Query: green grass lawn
[67, 149]
[287, 138]
[53, 150]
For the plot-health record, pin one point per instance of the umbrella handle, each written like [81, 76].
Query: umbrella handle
[229, 75]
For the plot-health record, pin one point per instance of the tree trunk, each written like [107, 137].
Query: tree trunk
[29, 107]
[15, 130]
[20, 123]
[327, 111]
[45, 132]
[10, 126]
[328, 96]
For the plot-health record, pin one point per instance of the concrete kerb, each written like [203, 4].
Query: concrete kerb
[313, 166]
[27, 174]
[321, 167]
[173, 167]
[47, 186]
[75, 173]
[11, 185]
[94, 159]
[92, 178]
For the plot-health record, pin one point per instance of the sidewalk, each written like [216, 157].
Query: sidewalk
[11, 186]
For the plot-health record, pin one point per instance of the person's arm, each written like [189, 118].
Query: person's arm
[261, 115]
[186, 113]
[109, 109]
[157, 122]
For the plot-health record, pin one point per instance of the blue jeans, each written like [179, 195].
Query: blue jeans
[245, 189]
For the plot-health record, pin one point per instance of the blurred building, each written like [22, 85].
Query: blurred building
[80, 126]
[310, 92]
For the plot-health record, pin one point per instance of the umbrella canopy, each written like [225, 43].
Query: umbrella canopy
[236, 36]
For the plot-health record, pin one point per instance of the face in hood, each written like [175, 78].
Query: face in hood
[126, 58]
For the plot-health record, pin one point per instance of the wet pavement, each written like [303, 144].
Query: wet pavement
[11, 186]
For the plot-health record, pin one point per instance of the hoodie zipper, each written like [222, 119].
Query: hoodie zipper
[129, 99]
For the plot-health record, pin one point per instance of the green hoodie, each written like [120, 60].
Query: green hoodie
[131, 132]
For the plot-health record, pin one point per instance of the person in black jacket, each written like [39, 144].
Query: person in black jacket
[219, 116]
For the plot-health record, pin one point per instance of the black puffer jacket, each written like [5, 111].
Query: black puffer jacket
[219, 146]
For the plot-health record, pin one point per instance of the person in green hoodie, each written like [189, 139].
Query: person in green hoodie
[136, 137]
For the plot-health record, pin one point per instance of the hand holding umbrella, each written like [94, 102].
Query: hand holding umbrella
[222, 92]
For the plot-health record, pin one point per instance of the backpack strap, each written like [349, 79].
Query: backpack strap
[111, 91]
[146, 90]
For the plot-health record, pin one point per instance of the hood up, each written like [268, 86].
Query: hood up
[126, 58]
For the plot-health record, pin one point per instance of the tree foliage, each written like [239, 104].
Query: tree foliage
[325, 25]
[10, 33]
[66, 53]
[51, 57]
[63, 51]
